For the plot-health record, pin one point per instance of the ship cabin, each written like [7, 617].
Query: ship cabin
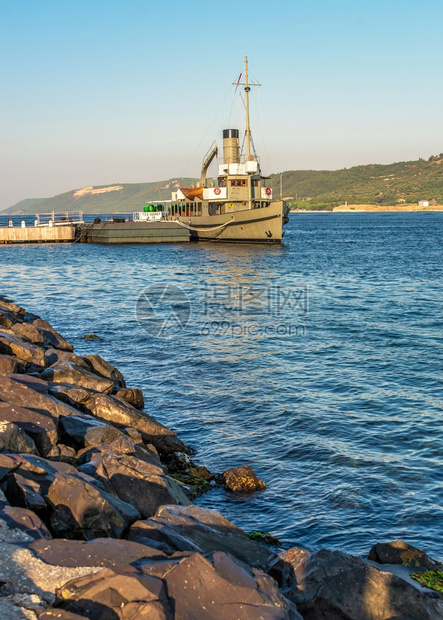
[238, 186]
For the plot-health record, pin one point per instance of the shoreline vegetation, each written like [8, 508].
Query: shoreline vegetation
[390, 186]
[97, 519]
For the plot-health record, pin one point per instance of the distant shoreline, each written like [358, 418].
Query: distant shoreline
[374, 209]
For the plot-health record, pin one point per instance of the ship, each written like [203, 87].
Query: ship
[238, 204]
[235, 206]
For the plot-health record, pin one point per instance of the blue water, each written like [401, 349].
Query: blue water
[334, 396]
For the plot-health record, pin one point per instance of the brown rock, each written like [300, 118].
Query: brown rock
[71, 395]
[399, 552]
[56, 355]
[67, 372]
[41, 428]
[9, 307]
[101, 367]
[14, 439]
[51, 336]
[28, 332]
[27, 521]
[242, 479]
[120, 413]
[8, 364]
[132, 396]
[11, 344]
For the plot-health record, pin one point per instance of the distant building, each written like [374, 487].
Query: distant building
[423, 203]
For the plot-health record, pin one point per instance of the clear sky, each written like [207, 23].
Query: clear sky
[95, 92]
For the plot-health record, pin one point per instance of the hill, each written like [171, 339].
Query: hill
[378, 184]
[119, 198]
[403, 182]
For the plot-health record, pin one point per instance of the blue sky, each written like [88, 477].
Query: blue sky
[102, 92]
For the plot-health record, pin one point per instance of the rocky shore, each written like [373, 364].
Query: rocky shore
[97, 520]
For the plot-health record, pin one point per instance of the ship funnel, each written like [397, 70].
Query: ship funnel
[231, 148]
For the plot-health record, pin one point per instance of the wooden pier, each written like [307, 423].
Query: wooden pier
[38, 234]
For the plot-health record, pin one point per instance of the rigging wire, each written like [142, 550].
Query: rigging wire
[206, 133]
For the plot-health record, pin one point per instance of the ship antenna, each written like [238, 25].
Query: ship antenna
[247, 87]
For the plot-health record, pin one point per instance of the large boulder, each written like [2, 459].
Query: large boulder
[190, 528]
[338, 586]
[82, 511]
[32, 393]
[133, 396]
[120, 413]
[14, 439]
[101, 367]
[104, 552]
[51, 337]
[9, 308]
[189, 588]
[55, 356]
[71, 394]
[25, 520]
[28, 332]
[73, 429]
[11, 344]
[9, 364]
[40, 427]
[142, 484]
[399, 552]
[68, 372]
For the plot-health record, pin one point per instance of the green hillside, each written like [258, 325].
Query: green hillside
[117, 198]
[390, 184]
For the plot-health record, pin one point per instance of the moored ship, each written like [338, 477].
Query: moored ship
[235, 206]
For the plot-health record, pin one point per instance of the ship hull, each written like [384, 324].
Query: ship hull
[263, 225]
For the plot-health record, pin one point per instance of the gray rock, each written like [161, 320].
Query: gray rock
[132, 396]
[11, 344]
[100, 367]
[103, 552]
[82, 511]
[187, 588]
[120, 413]
[14, 439]
[142, 484]
[67, 372]
[196, 529]
[74, 428]
[51, 337]
[338, 586]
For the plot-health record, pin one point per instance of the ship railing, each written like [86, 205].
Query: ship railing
[63, 218]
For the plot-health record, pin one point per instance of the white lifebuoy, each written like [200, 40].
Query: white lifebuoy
[217, 191]
[268, 191]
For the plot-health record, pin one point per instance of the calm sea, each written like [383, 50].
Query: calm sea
[318, 363]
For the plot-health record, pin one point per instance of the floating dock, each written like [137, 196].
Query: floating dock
[116, 231]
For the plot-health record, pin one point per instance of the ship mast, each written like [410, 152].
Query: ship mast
[248, 128]
[247, 88]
